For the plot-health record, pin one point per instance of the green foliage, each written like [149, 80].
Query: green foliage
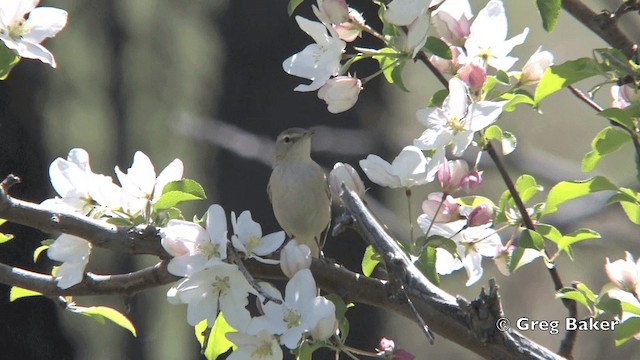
[391, 64]
[8, 59]
[293, 4]
[626, 330]
[177, 192]
[607, 141]
[519, 97]
[564, 244]
[473, 201]
[574, 294]
[438, 48]
[426, 263]
[217, 343]
[569, 190]
[557, 77]
[506, 139]
[4, 237]
[438, 98]
[530, 239]
[622, 117]
[102, 313]
[370, 260]
[38, 251]
[549, 11]
[629, 199]
[18, 292]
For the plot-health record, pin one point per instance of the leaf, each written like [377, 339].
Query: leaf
[341, 310]
[577, 236]
[187, 186]
[18, 292]
[506, 139]
[369, 261]
[438, 48]
[426, 263]
[438, 98]
[607, 141]
[549, 232]
[503, 77]
[586, 291]
[515, 99]
[473, 201]
[549, 11]
[527, 187]
[38, 251]
[623, 117]
[8, 59]
[102, 313]
[293, 4]
[388, 60]
[173, 198]
[530, 239]
[557, 77]
[609, 305]
[627, 330]
[218, 343]
[5, 237]
[573, 294]
[569, 190]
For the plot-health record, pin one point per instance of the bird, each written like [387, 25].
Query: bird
[299, 191]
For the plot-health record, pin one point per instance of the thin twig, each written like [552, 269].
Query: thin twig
[235, 257]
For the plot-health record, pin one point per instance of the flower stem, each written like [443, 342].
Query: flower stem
[407, 192]
[444, 196]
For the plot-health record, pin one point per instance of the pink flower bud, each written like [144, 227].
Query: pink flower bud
[336, 11]
[450, 174]
[345, 173]
[535, 67]
[480, 215]
[294, 257]
[448, 211]
[474, 76]
[471, 181]
[350, 30]
[447, 66]
[386, 345]
[453, 30]
[387, 348]
[624, 273]
[340, 93]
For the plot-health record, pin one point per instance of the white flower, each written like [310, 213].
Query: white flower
[455, 122]
[340, 93]
[409, 168]
[140, 182]
[262, 346]
[350, 30]
[404, 12]
[24, 36]
[536, 65]
[74, 253]
[249, 240]
[472, 243]
[624, 96]
[345, 173]
[299, 313]
[335, 11]
[624, 274]
[78, 186]
[319, 61]
[294, 257]
[451, 20]
[193, 247]
[219, 288]
[487, 40]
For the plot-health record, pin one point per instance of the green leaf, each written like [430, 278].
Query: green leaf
[623, 117]
[506, 139]
[503, 77]
[218, 343]
[18, 292]
[173, 198]
[609, 305]
[549, 232]
[530, 239]
[493, 132]
[549, 11]
[369, 261]
[391, 64]
[438, 48]
[573, 294]
[102, 313]
[586, 291]
[186, 186]
[8, 59]
[557, 77]
[473, 201]
[5, 237]
[341, 310]
[293, 4]
[569, 190]
[607, 141]
[632, 210]
[426, 263]
[577, 236]
[627, 330]
[527, 187]
[515, 99]
[38, 251]
[438, 98]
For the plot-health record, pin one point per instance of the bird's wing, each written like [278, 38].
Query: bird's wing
[269, 190]
[323, 235]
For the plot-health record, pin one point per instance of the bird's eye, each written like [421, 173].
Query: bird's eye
[286, 139]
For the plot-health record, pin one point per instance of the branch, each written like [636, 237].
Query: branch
[471, 325]
[135, 240]
[602, 25]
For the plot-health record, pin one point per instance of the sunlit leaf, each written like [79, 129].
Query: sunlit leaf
[569, 190]
[8, 59]
[426, 263]
[557, 77]
[293, 4]
[369, 261]
[18, 292]
[218, 343]
[102, 313]
[38, 251]
[577, 236]
[626, 330]
[607, 141]
[438, 48]
[549, 12]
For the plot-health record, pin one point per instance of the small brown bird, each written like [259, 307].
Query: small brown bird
[299, 191]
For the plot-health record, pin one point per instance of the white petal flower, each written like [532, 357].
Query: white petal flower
[248, 238]
[404, 12]
[319, 61]
[141, 185]
[451, 20]
[409, 168]
[340, 93]
[81, 189]
[294, 257]
[299, 313]
[262, 346]
[536, 66]
[219, 288]
[345, 173]
[455, 122]
[194, 248]
[74, 253]
[488, 38]
[24, 36]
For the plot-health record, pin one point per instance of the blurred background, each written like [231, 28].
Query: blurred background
[202, 81]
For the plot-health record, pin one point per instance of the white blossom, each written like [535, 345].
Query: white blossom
[248, 238]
